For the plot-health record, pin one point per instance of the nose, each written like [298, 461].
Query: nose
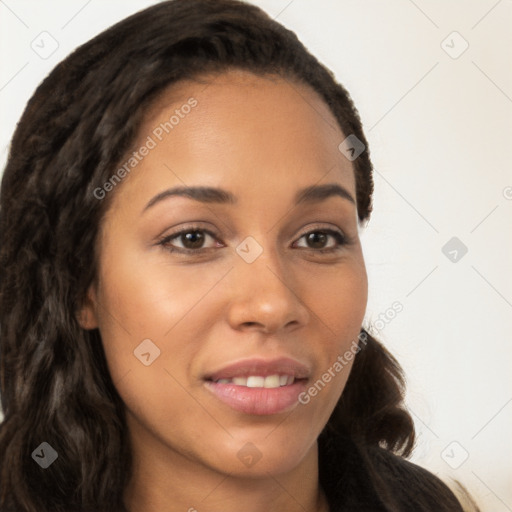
[266, 297]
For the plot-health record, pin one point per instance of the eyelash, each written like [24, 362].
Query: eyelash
[342, 240]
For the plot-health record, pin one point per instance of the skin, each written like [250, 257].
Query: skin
[263, 140]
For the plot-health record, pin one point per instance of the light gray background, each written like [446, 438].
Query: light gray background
[439, 125]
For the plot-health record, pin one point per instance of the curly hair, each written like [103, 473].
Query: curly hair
[75, 129]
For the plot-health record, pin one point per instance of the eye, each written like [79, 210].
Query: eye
[319, 237]
[192, 239]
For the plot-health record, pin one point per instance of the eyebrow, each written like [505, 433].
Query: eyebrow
[312, 194]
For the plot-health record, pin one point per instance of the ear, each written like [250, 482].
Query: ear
[87, 315]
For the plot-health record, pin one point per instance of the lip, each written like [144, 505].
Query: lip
[259, 401]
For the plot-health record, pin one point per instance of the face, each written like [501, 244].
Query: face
[256, 292]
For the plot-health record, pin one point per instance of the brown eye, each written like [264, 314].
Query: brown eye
[317, 240]
[191, 239]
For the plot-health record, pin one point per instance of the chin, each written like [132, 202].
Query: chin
[269, 452]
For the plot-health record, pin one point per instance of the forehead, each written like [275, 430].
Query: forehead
[245, 130]
[238, 100]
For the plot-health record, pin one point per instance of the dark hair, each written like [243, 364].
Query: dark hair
[80, 122]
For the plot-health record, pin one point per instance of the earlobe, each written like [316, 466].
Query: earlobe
[86, 315]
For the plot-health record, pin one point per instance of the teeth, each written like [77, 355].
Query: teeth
[256, 381]
[272, 381]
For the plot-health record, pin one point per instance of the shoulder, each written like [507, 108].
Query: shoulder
[409, 486]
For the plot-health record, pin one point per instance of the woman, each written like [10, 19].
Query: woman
[183, 285]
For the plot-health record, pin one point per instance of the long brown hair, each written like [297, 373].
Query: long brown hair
[82, 119]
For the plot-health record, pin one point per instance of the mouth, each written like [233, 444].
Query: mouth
[259, 381]
[259, 387]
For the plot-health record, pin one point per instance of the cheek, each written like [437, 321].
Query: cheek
[344, 302]
[148, 322]
[339, 298]
[339, 302]
[140, 301]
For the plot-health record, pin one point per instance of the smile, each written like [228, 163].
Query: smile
[253, 381]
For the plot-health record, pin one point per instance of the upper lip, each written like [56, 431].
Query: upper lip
[261, 367]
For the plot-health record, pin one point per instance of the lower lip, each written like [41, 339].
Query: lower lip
[261, 401]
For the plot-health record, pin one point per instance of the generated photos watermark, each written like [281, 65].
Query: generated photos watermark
[343, 360]
[157, 135]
